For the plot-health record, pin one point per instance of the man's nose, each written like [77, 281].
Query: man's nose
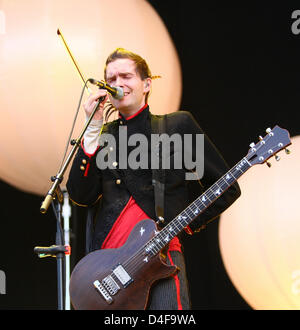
[119, 82]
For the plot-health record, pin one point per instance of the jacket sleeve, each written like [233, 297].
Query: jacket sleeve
[84, 182]
[214, 167]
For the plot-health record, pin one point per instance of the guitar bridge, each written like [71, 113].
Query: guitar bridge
[110, 285]
[103, 292]
[107, 288]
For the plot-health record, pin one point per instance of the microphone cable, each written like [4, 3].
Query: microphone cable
[73, 125]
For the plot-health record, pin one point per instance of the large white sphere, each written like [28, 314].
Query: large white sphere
[40, 86]
[260, 234]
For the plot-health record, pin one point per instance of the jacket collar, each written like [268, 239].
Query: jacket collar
[138, 115]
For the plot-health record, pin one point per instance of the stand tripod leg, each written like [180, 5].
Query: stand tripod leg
[60, 258]
[66, 213]
[60, 303]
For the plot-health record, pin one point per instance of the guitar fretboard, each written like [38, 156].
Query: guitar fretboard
[163, 237]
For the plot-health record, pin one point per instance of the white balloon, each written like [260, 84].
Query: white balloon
[40, 86]
[259, 235]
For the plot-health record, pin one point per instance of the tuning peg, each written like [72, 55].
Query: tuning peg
[268, 130]
[260, 137]
[287, 151]
[269, 164]
[277, 157]
[252, 145]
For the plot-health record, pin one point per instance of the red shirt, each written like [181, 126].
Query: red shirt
[124, 224]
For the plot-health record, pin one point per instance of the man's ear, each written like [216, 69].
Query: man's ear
[147, 84]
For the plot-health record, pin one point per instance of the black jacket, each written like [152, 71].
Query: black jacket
[112, 188]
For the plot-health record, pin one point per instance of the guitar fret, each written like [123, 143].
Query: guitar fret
[180, 223]
[176, 224]
[227, 178]
[232, 175]
[199, 204]
[193, 211]
[204, 199]
[207, 197]
[224, 185]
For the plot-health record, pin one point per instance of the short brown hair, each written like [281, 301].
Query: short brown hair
[141, 65]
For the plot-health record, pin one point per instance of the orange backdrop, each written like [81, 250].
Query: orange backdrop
[40, 87]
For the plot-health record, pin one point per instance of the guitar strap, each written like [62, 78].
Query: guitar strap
[158, 126]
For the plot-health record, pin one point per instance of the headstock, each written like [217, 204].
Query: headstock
[276, 140]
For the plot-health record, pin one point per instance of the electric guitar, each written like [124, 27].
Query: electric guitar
[117, 279]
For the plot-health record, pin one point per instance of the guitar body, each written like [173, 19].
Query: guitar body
[100, 264]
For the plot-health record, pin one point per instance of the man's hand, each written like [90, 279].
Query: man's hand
[91, 102]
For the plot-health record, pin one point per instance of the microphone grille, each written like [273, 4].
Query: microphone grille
[119, 93]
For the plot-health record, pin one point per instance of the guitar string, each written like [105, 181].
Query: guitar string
[132, 263]
[134, 260]
[210, 194]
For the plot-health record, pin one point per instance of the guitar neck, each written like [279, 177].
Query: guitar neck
[162, 238]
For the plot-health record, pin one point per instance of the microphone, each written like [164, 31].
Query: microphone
[116, 92]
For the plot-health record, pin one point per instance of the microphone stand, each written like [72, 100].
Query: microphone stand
[55, 196]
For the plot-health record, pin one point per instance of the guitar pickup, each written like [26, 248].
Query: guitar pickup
[122, 276]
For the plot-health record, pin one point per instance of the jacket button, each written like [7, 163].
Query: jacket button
[118, 181]
[84, 161]
[82, 168]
